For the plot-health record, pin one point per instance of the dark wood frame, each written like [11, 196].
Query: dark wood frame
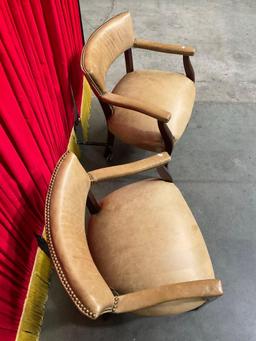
[92, 203]
[188, 68]
[128, 60]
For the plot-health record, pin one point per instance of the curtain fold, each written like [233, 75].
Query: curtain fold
[40, 46]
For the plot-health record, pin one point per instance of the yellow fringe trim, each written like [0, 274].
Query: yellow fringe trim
[34, 305]
[85, 115]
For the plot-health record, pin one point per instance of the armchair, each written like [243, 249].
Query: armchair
[147, 108]
[142, 250]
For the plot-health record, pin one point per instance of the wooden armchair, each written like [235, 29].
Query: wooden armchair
[142, 251]
[147, 108]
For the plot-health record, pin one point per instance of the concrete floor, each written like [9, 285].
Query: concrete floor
[213, 164]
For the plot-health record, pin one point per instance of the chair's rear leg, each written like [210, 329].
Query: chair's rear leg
[108, 153]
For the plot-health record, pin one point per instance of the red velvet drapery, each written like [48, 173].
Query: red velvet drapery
[40, 47]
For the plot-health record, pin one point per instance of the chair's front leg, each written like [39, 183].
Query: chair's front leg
[188, 68]
[167, 136]
[92, 204]
[164, 173]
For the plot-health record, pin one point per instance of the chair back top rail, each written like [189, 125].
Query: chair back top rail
[103, 47]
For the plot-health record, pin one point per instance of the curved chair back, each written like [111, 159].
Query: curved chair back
[104, 46]
[65, 230]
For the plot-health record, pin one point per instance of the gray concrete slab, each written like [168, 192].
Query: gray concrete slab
[213, 165]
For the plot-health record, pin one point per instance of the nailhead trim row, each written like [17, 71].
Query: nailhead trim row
[55, 260]
[91, 177]
[116, 300]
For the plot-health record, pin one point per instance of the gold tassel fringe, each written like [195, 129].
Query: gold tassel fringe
[85, 115]
[34, 305]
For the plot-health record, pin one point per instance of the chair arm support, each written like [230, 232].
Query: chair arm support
[150, 297]
[166, 48]
[133, 104]
[129, 168]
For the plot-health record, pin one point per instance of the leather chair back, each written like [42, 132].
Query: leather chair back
[104, 46]
[65, 229]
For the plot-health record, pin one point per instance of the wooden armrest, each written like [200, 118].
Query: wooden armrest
[133, 104]
[166, 48]
[129, 168]
[150, 297]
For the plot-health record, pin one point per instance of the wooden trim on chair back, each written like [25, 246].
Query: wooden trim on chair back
[108, 42]
[65, 228]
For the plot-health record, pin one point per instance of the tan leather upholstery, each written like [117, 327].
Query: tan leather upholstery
[172, 292]
[166, 48]
[130, 168]
[146, 236]
[65, 227]
[105, 45]
[137, 105]
[169, 91]
[144, 241]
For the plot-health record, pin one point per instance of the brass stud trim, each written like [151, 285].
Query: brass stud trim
[54, 257]
[115, 305]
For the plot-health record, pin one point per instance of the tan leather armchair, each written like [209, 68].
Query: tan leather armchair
[142, 251]
[147, 108]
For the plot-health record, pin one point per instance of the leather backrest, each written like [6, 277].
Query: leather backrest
[104, 46]
[65, 228]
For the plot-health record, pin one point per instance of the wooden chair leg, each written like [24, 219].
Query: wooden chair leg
[108, 153]
[164, 173]
[92, 203]
[167, 137]
[188, 68]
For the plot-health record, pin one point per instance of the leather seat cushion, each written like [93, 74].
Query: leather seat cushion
[146, 236]
[170, 91]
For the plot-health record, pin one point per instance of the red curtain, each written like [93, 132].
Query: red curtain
[40, 46]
